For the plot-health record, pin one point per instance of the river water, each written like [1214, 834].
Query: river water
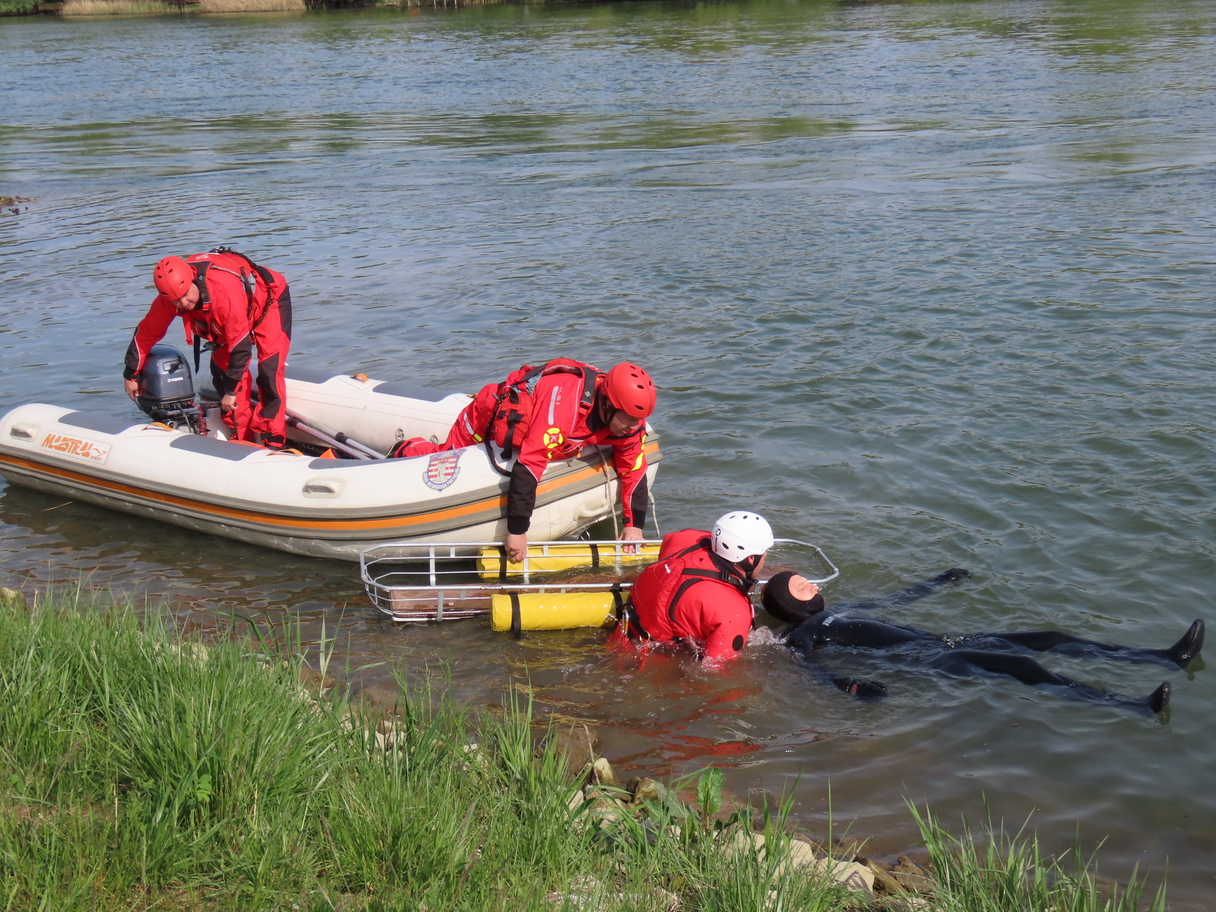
[929, 284]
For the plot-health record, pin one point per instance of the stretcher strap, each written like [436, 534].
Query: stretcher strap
[516, 622]
[502, 560]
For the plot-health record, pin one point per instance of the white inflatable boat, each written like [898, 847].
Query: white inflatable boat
[304, 504]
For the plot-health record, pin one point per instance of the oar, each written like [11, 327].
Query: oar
[332, 437]
[294, 422]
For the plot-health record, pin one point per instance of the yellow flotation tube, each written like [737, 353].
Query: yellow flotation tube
[492, 563]
[518, 611]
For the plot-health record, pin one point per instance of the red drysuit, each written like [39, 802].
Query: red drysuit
[692, 596]
[241, 306]
[560, 417]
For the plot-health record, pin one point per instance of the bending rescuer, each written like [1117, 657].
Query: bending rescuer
[230, 305]
[696, 593]
[549, 413]
[795, 600]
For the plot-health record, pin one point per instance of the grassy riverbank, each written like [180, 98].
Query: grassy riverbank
[141, 771]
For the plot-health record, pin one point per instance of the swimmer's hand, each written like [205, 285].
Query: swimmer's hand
[869, 691]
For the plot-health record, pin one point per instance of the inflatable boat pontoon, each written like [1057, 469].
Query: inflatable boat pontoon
[298, 503]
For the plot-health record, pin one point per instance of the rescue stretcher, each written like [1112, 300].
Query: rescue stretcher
[559, 585]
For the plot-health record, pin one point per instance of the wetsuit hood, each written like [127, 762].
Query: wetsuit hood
[781, 604]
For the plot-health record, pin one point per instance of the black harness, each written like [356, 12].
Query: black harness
[251, 284]
[526, 385]
[204, 297]
[627, 615]
[248, 282]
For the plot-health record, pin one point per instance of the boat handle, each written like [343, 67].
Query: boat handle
[323, 487]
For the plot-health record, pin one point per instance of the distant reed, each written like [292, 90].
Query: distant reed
[157, 7]
[145, 7]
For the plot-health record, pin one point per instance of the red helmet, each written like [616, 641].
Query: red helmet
[173, 276]
[630, 389]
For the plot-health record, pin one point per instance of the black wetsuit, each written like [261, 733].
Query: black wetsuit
[962, 655]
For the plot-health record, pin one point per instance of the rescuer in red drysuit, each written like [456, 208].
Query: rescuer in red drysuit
[232, 304]
[697, 592]
[549, 413]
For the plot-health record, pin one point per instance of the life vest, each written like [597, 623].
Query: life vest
[661, 585]
[502, 412]
[225, 259]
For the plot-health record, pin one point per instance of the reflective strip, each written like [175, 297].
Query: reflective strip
[642, 454]
[468, 426]
[553, 403]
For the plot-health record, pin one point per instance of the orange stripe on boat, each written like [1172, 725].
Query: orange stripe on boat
[269, 519]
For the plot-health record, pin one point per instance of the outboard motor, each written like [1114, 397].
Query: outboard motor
[166, 390]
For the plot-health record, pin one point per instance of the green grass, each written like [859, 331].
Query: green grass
[138, 771]
[998, 872]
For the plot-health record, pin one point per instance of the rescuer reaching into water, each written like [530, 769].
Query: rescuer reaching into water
[795, 600]
[547, 414]
[697, 592]
[233, 305]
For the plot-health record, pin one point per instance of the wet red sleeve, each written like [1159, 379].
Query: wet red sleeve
[725, 622]
[151, 329]
[230, 319]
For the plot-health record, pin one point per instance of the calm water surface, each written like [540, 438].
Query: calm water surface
[929, 284]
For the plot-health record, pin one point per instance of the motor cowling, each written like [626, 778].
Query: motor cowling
[166, 390]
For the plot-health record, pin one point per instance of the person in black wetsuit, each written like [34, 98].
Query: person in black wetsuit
[795, 600]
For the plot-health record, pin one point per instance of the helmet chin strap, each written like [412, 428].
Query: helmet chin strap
[740, 574]
[748, 565]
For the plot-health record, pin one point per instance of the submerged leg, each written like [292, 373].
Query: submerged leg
[1180, 653]
[1028, 671]
[909, 593]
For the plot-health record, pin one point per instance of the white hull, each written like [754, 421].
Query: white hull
[331, 508]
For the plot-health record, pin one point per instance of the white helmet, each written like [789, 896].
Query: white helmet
[740, 535]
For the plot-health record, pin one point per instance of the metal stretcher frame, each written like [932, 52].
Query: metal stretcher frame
[439, 581]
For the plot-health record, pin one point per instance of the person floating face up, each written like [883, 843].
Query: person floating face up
[814, 629]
